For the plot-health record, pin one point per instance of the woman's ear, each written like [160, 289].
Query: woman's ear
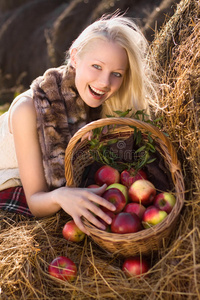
[73, 57]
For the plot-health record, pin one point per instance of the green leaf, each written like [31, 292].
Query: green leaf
[151, 160]
[143, 148]
[111, 142]
[150, 138]
[121, 113]
[151, 147]
[138, 137]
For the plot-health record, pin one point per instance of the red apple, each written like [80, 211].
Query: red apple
[120, 187]
[63, 268]
[153, 216]
[71, 232]
[135, 266]
[165, 201]
[106, 174]
[142, 191]
[126, 223]
[135, 208]
[116, 197]
[127, 177]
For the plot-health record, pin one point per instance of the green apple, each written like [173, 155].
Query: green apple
[120, 187]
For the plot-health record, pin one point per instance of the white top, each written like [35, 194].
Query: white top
[9, 171]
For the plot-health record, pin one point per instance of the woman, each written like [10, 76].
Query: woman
[105, 71]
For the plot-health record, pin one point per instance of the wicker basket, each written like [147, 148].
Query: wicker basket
[77, 158]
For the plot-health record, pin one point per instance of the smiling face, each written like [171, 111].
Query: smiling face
[100, 70]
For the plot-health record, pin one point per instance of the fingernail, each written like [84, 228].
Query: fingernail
[109, 221]
[103, 227]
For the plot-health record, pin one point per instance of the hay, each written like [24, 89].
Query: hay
[177, 52]
[28, 246]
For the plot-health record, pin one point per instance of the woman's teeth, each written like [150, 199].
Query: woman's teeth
[99, 93]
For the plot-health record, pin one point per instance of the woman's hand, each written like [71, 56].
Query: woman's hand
[83, 202]
[88, 135]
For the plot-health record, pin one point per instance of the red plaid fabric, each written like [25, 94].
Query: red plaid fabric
[13, 200]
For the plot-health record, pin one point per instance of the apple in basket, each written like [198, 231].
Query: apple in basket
[116, 197]
[142, 191]
[63, 268]
[127, 177]
[165, 201]
[153, 216]
[71, 232]
[106, 174]
[135, 266]
[135, 208]
[126, 223]
[120, 187]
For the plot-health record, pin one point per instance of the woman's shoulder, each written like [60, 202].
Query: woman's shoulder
[21, 100]
[22, 109]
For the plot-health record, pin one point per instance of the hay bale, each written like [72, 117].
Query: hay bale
[176, 51]
[28, 246]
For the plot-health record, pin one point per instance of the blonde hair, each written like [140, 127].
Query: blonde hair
[137, 89]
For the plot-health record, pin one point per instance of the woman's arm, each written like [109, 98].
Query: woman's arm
[76, 202]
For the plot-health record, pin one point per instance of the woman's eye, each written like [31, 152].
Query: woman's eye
[97, 67]
[117, 74]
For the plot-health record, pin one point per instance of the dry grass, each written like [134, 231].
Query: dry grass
[28, 246]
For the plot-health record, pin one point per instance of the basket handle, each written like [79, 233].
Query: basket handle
[116, 121]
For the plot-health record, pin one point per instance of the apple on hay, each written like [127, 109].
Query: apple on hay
[71, 232]
[135, 266]
[63, 268]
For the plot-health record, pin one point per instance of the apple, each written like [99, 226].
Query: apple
[116, 197]
[142, 191]
[71, 232]
[125, 223]
[120, 187]
[135, 266]
[106, 174]
[165, 201]
[153, 216]
[136, 208]
[127, 177]
[63, 268]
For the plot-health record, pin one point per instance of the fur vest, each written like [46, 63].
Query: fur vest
[60, 113]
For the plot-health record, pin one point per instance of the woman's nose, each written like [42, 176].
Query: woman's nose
[104, 79]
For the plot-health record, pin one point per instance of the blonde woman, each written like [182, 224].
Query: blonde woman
[106, 70]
